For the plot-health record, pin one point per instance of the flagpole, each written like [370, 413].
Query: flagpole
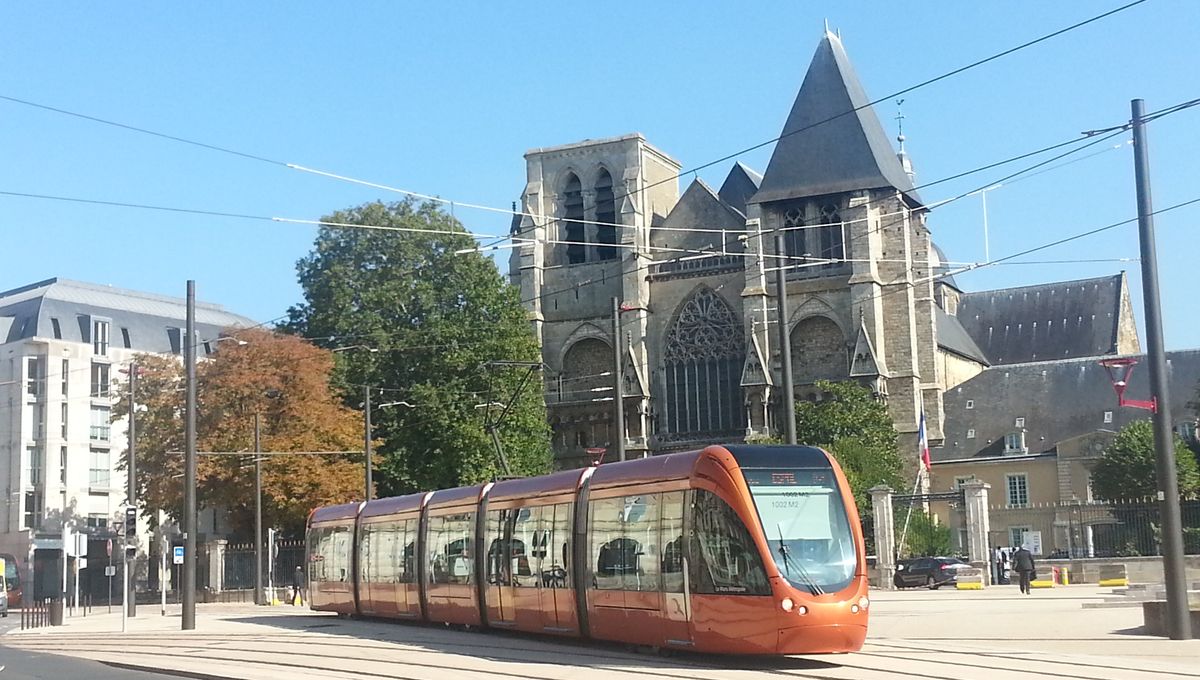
[908, 515]
[922, 465]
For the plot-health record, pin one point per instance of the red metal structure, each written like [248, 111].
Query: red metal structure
[1119, 370]
[733, 549]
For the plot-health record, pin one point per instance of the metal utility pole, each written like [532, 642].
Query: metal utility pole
[189, 476]
[1178, 622]
[131, 492]
[785, 344]
[367, 437]
[258, 563]
[618, 396]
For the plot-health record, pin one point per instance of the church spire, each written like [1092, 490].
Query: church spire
[905, 161]
[832, 141]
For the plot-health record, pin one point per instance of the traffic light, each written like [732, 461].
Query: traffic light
[130, 522]
[131, 552]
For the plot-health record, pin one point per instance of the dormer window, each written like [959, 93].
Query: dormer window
[1014, 443]
[100, 330]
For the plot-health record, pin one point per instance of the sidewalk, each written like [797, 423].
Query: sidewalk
[996, 633]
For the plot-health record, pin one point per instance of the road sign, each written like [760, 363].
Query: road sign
[108, 547]
[177, 555]
[81, 563]
[110, 571]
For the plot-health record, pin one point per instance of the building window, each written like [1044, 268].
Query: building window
[62, 466]
[1108, 416]
[831, 243]
[66, 375]
[1017, 490]
[573, 227]
[35, 377]
[971, 434]
[175, 336]
[963, 479]
[1014, 442]
[39, 421]
[63, 430]
[99, 468]
[125, 338]
[101, 424]
[97, 521]
[100, 338]
[1020, 422]
[606, 216]
[704, 356]
[100, 380]
[34, 465]
[54, 325]
[970, 404]
[33, 509]
[793, 234]
[1016, 535]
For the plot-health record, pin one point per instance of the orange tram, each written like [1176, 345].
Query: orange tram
[732, 550]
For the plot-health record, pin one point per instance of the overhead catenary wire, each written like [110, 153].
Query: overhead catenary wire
[426, 196]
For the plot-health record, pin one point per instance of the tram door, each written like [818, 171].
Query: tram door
[677, 616]
[553, 556]
[500, 596]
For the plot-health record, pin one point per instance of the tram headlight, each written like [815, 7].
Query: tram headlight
[787, 604]
[853, 609]
[864, 602]
[801, 610]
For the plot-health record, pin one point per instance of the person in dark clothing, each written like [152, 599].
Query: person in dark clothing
[298, 585]
[1022, 561]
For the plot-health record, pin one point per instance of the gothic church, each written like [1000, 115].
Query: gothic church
[694, 276]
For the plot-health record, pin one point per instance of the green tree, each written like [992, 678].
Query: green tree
[925, 536]
[858, 430]
[436, 320]
[1126, 469]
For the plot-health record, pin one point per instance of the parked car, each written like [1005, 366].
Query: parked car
[931, 572]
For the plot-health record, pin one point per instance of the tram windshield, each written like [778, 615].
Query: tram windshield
[805, 523]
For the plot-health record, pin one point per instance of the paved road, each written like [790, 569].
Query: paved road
[950, 635]
[18, 664]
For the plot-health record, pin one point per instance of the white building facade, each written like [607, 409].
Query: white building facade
[64, 347]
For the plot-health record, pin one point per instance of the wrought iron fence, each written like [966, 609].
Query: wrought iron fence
[239, 564]
[1094, 529]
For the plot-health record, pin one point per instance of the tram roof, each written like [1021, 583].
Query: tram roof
[393, 505]
[335, 513]
[566, 481]
[756, 456]
[645, 470]
[463, 495]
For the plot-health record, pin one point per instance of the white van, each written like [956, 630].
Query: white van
[3, 590]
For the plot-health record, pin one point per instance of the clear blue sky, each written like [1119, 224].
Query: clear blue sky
[445, 98]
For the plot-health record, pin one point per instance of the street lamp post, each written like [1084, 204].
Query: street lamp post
[258, 561]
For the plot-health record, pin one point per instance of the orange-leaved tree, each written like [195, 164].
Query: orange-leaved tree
[312, 443]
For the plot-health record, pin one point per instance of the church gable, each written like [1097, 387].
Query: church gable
[740, 184]
[716, 225]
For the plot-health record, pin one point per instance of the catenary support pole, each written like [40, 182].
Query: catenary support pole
[367, 439]
[258, 557]
[131, 492]
[618, 396]
[785, 344]
[188, 586]
[1178, 623]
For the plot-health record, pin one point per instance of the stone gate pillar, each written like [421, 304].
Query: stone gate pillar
[216, 564]
[975, 506]
[885, 535]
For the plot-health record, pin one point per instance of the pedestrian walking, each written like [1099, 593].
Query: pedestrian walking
[298, 586]
[1022, 561]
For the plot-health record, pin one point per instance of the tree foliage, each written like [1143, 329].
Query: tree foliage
[858, 430]
[926, 537]
[436, 319]
[1126, 469]
[283, 379]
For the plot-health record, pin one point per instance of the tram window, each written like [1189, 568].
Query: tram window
[365, 554]
[450, 549]
[382, 551]
[318, 550]
[338, 557]
[723, 557]
[497, 540]
[407, 567]
[672, 542]
[625, 540]
[526, 528]
[556, 546]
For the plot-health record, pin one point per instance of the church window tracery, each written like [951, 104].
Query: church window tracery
[704, 354]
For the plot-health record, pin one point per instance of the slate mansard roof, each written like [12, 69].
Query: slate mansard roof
[832, 141]
[1045, 322]
[1058, 400]
[34, 311]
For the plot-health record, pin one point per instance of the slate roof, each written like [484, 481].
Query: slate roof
[739, 186]
[951, 336]
[832, 141]
[1044, 322]
[30, 311]
[1059, 400]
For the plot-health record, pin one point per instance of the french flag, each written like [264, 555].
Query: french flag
[923, 444]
